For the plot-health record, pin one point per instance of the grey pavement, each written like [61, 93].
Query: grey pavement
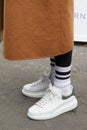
[14, 106]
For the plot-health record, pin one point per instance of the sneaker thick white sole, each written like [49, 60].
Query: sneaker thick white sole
[71, 104]
[33, 94]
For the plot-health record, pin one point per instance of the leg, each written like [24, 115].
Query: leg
[58, 98]
[62, 73]
[52, 71]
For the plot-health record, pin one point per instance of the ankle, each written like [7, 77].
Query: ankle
[66, 90]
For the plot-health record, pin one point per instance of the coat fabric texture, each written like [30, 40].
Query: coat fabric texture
[1, 19]
[37, 28]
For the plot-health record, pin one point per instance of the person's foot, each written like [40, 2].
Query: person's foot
[36, 89]
[52, 104]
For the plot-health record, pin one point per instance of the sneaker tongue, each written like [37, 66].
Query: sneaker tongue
[56, 91]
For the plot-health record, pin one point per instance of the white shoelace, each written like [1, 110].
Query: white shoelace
[48, 97]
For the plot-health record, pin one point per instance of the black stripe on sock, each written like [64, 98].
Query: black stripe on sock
[62, 73]
[52, 64]
[52, 60]
[62, 78]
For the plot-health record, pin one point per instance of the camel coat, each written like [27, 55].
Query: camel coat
[37, 28]
[1, 19]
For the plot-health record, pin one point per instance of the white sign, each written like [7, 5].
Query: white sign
[80, 20]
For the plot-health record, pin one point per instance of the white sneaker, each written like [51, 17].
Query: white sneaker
[36, 89]
[51, 105]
